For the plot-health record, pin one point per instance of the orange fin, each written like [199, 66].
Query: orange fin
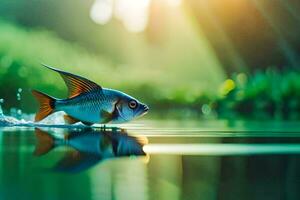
[76, 84]
[44, 142]
[47, 105]
[70, 120]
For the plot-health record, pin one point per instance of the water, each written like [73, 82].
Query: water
[147, 160]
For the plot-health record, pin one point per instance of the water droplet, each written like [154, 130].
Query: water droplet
[19, 91]
[18, 96]
[13, 112]
[19, 112]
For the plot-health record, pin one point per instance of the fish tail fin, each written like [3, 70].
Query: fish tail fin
[44, 142]
[47, 105]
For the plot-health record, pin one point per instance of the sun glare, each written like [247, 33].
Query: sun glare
[174, 2]
[101, 11]
[133, 14]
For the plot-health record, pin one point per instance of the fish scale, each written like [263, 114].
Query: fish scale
[87, 106]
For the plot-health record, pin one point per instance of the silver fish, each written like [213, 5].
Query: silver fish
[89, 103]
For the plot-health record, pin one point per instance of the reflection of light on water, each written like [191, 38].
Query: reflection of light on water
[132, 13]
[101, 11]
[123, 178]
[221, 149]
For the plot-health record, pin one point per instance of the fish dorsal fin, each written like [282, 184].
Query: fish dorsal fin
[76, 84]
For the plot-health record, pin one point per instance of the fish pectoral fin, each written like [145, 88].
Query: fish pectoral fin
[76, 84]
[70, 120]
[106, 116]
[87, 123]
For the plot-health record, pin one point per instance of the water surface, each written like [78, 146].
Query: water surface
[152, 160]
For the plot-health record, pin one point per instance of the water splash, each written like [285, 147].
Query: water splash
[27, 120]
[1, 112]
[17, 118]
[17, 113]
[6, 121]
[11, 120]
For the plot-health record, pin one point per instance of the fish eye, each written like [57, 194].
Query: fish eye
[132, 104]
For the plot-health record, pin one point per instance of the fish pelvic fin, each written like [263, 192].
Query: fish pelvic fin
[70, 120]
[47, 105]
[106, 116]
[44, 142]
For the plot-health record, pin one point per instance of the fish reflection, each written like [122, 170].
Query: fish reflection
[89, 147]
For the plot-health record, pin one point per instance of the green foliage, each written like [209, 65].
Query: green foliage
[269, 93]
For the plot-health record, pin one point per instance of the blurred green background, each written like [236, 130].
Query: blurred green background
[214, 58]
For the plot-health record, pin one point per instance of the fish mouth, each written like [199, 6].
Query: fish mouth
[144, 110]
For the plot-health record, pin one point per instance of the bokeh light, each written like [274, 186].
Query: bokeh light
[101, 11]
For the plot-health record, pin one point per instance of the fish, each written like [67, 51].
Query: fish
[88, 147]
[89, 103]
